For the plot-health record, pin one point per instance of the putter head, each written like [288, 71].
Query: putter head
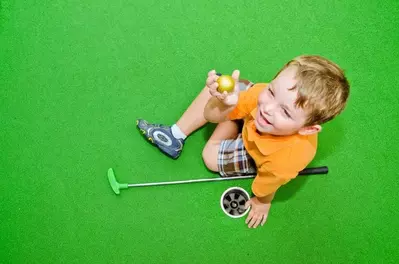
[115, 185]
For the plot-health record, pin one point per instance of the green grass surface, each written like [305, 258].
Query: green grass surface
[75, 75]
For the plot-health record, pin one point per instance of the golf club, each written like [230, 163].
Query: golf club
[116, 186]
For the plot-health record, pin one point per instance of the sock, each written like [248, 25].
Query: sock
[177, 133]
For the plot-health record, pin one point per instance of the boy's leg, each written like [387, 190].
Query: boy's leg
[193, 117]
[170, 139]
[225, 152]
[223, 131]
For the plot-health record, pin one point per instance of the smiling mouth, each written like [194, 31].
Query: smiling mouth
[264, 119]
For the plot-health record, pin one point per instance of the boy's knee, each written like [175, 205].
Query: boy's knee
[210, 156]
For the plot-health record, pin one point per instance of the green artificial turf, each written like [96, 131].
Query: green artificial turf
[75, 75]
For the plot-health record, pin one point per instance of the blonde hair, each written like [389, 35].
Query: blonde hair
[323, 89]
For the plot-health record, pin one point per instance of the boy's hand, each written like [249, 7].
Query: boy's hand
[258, 214]
[228, 99]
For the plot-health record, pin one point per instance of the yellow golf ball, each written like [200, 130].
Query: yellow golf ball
[226, 84]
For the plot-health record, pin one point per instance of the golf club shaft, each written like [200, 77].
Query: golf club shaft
[308, 171]
[189, 181]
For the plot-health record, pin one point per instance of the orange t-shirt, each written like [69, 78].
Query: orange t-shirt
[279, 159]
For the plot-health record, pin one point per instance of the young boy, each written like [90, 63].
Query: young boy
[266, 128]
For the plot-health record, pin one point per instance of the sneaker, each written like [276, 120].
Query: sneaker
[161, 136]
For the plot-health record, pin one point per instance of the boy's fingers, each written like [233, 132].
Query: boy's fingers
[236, 75]
[214, 86]
[264, 219]
[222, 97]
[247, 204]
[212, 72]
[253, 221]
[208, 81]
[249, 217]
[258, 221]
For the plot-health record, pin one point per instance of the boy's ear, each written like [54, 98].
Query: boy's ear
[309, 130]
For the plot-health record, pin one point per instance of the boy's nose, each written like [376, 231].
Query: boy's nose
[268, 109]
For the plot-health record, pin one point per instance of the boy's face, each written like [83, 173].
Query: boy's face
[277, 113]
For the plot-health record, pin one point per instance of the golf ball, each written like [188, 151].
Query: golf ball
[226, 84]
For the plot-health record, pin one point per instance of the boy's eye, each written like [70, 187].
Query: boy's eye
[271, 92]
[286, 113]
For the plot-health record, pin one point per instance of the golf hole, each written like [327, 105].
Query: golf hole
[233, 202]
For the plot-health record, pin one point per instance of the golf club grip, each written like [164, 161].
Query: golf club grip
[316, 170]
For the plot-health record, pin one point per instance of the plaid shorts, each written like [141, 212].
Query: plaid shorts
[233, 159]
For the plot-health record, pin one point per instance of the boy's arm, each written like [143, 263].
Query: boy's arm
[266, 199]
[264, 187]
[236, 106]
[220, 105]
[272, 175]
[267, 183]
[280, 168]
[216, 111]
